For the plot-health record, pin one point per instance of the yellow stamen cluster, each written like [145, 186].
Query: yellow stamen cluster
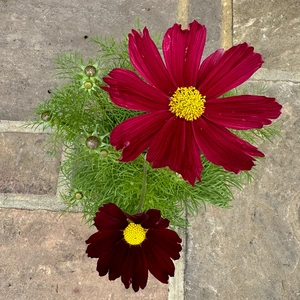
[134, 234]
[187, 103]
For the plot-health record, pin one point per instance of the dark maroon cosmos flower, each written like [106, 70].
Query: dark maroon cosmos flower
[185, 115]
[127, 246]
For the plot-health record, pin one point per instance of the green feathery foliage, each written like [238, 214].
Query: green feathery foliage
[82, 116]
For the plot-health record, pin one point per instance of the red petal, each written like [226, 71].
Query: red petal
[135, 134]
[168, 146]
[127, 90]
[208, 64]
[191, 166]
[222, 147]
[242, 112]
[183, 51]
[174, 147]
[110, 216]
[147, 61]
[225, 71]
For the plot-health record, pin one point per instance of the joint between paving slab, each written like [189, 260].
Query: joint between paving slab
[183, 13]
[21, 127]
[227, 24]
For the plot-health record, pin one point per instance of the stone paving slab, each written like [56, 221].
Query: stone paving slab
[248, 252]
[46, 260]
[252, 251]
[25, 166]
[33, 33]
[208, 13]
[273, 28]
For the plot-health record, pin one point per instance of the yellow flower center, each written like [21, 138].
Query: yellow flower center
[134, 234]
[187, 103]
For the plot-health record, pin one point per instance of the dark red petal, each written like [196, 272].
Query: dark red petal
[153, 218]
[242, 112]
[138, 218]
[135, 134]
[162, 223]
[165, 235]
[169, 246]
[160, 265]
[127, 90]
[103, 264]
[146, 59]
[222, 147]
[119, 256]
[110, 216]
[135, 269]
[103, 236]
[183, 51]
[234, 67]
[140, 269]
[126, 276]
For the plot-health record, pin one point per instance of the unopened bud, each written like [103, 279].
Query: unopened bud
[90, 71]
[46, 116]
[78, 195]
[88, 85]
[92, 142]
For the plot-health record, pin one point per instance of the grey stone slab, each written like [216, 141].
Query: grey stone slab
[252, 251]
[208, 13]
[33, 33]
[273, 28]
[25, 166]
[42, 256]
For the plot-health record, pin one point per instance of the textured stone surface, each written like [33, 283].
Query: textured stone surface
[252, 251]
[46, 260]
[33, 33]
[208, 13]
[25, 166]
[273, 28]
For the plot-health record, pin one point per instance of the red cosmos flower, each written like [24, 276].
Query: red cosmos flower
[184, 114]
[130, 245]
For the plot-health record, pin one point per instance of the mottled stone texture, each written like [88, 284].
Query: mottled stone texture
[46, 260]
[34, 32]
[209, 13]
[25, 166]
[272, 27]
[252, 251]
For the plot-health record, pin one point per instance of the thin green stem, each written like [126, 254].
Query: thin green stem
[143, 192]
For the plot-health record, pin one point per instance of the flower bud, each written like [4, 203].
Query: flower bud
[104, 153]
[46, 116]
[88, 85]
[90, 71]
[78, 195]
[92, 142]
